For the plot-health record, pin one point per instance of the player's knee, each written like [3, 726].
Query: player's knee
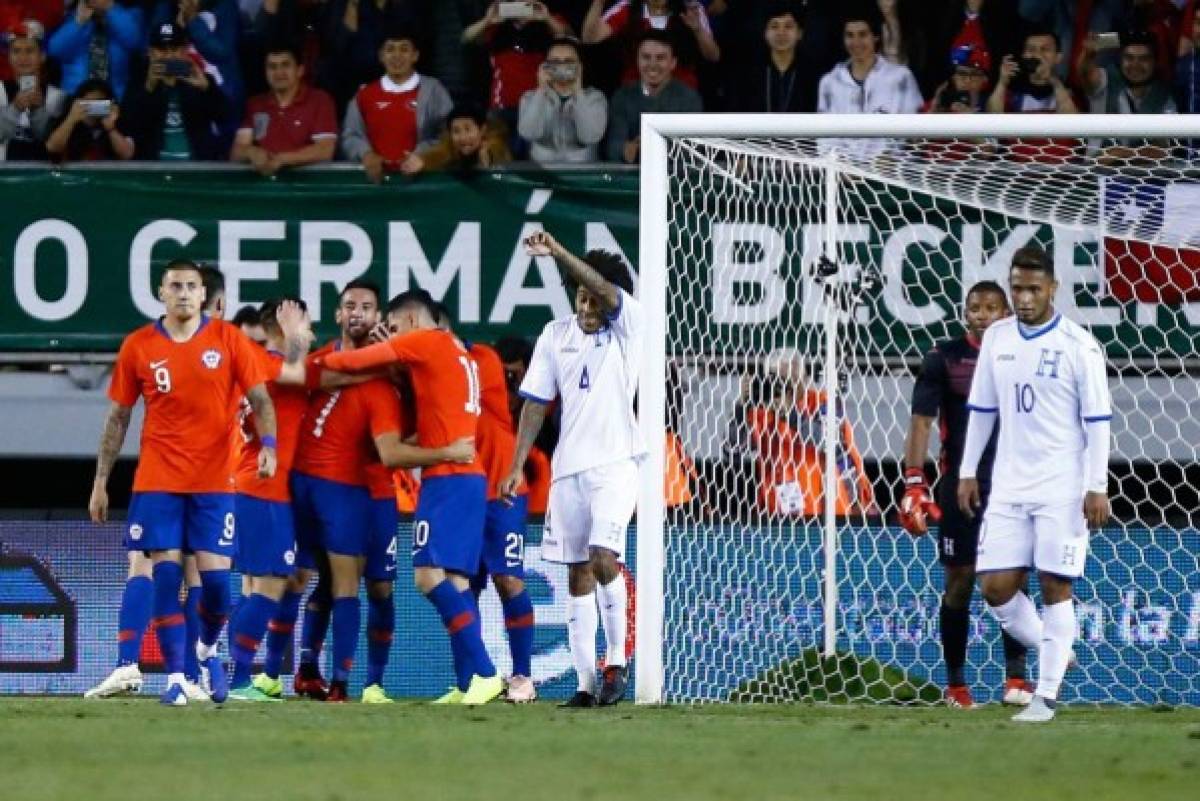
[508, 586]
[959, 585]
[425, 579]
[140, 565]
[996, 592]
[605, 566]
[580, 580]
[379, 590]
[1055, 589]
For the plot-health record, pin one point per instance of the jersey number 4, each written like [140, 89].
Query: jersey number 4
[472, 371]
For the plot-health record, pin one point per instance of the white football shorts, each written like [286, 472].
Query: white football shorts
[590, 509]
[1050, 537]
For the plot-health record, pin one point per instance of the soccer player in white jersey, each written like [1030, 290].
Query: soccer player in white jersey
[589, 362]
[1044, 377]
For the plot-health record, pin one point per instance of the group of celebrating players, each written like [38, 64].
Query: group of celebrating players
[281, 461]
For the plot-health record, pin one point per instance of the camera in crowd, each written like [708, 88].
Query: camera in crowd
[96, 108]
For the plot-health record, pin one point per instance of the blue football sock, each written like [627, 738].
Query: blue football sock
[347, 620]
[191, 617]
[381, 627]
[472, 633]
[246, 631]
[456, 615]
[279, 633]
[168, 615]
[479, 584]
[214, 604]
[137, 601]
[316, 624]
[518, 622]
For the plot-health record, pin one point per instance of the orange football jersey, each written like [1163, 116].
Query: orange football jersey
[290, 405]
[337, 435]
[189, 389]
[445, 384]
[495, 440]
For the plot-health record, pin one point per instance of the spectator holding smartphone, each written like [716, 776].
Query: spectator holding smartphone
[174, 112]
[89, 131]
[1131, 87]
[28, 106]
[1031, 84]
[97, 41]
[517, 37]
[562, 120]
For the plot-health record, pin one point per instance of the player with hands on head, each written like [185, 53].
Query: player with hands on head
[589, 362]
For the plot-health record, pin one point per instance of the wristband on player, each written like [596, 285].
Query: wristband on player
[268, 441]
[914, 477]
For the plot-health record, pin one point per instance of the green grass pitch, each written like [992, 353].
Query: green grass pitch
[53, 748]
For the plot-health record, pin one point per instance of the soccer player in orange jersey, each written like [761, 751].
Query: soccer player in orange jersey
[448, 530]
[505, 521]
[344, 430]
[187, 368]
[137, 597]
[266, 533]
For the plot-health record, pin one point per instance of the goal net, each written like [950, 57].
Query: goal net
[805, 266]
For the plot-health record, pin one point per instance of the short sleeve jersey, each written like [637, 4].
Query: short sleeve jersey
[290, 405]
[189, 389]
[596, 377]
[941, 391]
[445, 383]
[379, 477]
[1045, 385]
[496, 442]
[336, 436]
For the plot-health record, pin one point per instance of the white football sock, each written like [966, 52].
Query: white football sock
[613, 599]
[1020, 619]
[582, 620]
[1058, 636]
[205, 651]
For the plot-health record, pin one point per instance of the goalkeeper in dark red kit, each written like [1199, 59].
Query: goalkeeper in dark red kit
[941, 393]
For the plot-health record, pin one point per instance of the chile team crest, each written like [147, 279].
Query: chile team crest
[211, 358]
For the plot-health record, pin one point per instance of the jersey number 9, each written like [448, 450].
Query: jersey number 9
[162, 379]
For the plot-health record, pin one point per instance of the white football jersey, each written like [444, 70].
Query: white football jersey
[595, 376]
[1045, 386]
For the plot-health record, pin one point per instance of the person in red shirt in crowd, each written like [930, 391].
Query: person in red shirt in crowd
[448, 531]
[16, 14]
[505, 522]
[291, 125]
[188, 369]
[390, 119]
[685, 21]
[516, 47]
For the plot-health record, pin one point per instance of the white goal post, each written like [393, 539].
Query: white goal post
[870, 199]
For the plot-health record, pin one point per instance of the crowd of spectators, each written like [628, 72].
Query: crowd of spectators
[408, 86]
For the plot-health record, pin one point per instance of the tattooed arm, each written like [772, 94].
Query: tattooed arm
[264, 422]
[111, 440]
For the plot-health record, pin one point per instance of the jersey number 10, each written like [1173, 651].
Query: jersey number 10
[1024, 398]
[472, 371]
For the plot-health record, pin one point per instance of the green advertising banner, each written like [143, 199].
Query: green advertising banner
[81, 250]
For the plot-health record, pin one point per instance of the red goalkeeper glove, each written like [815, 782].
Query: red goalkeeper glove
[917, 507]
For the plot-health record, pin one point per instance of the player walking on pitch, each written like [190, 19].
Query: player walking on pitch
[188, 369]
[941, 393]
[589, 361]
[1044, 377]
